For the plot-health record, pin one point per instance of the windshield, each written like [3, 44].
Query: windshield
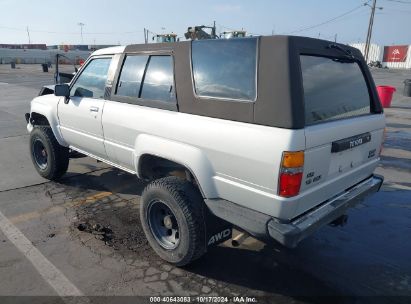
[333, 89]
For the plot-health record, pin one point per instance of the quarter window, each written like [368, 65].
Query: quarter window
[225, 68]
[92, 81]
[131, 76]
[159, 80]
[147, 77]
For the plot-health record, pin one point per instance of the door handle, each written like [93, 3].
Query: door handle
[94, 109]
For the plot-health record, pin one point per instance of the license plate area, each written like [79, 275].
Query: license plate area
[350, 142]
[345, 161]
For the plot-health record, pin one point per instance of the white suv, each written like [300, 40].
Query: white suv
[276, 136]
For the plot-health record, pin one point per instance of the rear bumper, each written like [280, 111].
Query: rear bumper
[290, 234]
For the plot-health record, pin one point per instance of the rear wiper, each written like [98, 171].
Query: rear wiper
[344, 60]
[347, 53]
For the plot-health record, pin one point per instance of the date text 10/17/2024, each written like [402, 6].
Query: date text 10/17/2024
[203, 299]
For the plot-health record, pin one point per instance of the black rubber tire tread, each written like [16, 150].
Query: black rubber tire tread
[189, 201]
[58, 156]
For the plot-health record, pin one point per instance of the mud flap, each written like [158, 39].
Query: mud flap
[217, 230]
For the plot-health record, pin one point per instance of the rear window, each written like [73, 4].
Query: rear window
[225, 68]
[333, 89]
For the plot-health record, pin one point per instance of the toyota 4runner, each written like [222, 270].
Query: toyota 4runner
[275, 136]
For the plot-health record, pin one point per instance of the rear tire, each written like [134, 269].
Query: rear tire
[172, 217]
[49, 158]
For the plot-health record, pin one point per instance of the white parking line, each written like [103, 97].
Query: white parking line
[54, 277]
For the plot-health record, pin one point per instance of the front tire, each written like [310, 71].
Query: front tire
[49, 158]
[172, 217]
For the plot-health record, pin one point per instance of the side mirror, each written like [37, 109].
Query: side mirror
[62, 90]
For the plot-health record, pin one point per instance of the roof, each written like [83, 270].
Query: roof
[110, 50]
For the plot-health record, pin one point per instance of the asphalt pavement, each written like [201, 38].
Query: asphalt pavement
[81, 237]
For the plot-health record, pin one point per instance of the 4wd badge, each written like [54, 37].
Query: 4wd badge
[220, 237]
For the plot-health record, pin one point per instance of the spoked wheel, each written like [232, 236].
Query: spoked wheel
[172, 217]
[163, 224]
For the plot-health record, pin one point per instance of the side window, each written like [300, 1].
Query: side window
[131, 76]
[147, 77]
[225, 68]
[159, 80]
[92, 80]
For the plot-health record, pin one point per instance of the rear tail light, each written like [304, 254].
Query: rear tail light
[291, 173]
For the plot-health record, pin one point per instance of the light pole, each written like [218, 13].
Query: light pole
[81, 24]
[28, 34]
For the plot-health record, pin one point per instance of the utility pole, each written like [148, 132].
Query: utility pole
[370, 25]
[28, 34]
[335, 38]
[81, 24]
[369, 33]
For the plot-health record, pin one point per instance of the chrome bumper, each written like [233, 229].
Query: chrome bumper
[291, 233]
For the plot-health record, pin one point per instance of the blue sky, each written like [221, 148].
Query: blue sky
[122, 21]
